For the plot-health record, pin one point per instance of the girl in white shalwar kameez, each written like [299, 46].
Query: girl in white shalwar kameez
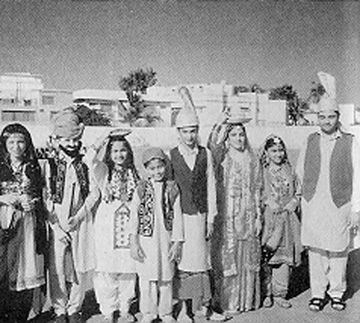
[156, 236]
[115, 180]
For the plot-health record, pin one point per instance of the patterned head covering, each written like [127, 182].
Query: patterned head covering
[271, 141]
[67, 124]
[17, 128]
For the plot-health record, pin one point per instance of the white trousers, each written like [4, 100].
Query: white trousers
[155, 298]
[65, 299]
[327, 273]
[114, 291]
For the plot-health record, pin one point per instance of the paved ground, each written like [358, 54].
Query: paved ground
[299, 313]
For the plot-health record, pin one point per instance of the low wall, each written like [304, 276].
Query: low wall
[166, 138]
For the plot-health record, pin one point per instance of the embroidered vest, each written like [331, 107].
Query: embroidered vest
[192, 183]
[341, 169]
[57, 178]
[146, 208]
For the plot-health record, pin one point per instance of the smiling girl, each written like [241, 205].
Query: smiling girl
[115, 178]
[281, 229]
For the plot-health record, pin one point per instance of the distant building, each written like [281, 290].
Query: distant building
[23, 98]
[209, 99]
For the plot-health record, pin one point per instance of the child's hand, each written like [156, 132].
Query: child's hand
[9, 199]
[136, 252]
[275, 207]
[209, 229]
[61, 235]
[354, 219]
[175, 251]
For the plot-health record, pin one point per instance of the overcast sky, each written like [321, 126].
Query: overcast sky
[89, 44]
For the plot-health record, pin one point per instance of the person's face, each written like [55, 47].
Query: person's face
[69, 144]
[156, 169]
[188, 135]
[16, 145]
[328, 121]
[276, 154]
[118, 153]
[237, 138]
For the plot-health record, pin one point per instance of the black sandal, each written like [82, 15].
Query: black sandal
[338, 304]
[316, 304]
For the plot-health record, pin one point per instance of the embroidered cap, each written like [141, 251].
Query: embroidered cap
[153, 153]
[67, 124]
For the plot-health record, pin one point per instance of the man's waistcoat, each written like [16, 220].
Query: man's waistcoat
[341, 169]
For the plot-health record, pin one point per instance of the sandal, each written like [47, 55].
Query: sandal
[282, 302]
[316, 304]
[338, 304]
[268, 302]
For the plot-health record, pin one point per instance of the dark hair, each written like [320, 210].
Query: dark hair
[14, 128]
[32, 169]
[231, 126]
[129, 162]
[270, 142]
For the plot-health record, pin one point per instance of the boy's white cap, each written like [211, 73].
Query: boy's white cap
[187, 116]
[328, 99]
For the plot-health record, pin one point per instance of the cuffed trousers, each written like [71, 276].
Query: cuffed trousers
[155, 298]
[327, 273]
[114, 291]
[277, 280]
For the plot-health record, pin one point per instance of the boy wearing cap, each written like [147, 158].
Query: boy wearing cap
[71, 234]
[156, 237]
[328, 168]
[192, 169]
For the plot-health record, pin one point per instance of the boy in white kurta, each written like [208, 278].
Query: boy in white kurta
[329, 168]
[156, 237]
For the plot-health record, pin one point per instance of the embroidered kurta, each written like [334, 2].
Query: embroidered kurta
[281, 227]
[324, 225]
[111, 226]
[18, 256]
[238, 265]
[82, 239]
[156, 265]
[195, 252]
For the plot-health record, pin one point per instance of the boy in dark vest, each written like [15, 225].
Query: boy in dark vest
[192, 169]
[71, 257]
[329, 170]
[156, 235]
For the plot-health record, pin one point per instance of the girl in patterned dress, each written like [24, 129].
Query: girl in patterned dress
[22, 224]
[281, 227]
[115, 179]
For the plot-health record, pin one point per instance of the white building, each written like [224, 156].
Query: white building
[209, 99]
[23, 98]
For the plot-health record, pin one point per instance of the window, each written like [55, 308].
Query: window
[48, 100]
[24, 116]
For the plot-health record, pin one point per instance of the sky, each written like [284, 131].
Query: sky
[77, 44]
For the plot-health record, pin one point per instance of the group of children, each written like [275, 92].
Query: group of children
[108, 223]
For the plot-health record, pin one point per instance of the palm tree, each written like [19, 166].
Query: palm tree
[134, 85]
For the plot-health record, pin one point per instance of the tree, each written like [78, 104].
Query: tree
[316, 91]
[92, 117]
[134, 85]
[287, 93]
